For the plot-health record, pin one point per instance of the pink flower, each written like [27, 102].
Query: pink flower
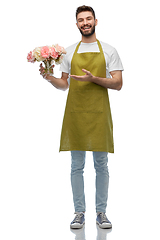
[30, 57]
[53, 53]
[60, 49]
[45, 52]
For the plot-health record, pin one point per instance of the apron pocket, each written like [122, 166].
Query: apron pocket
[87, 101]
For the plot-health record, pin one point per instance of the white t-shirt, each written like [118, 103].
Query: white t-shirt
[113, 61]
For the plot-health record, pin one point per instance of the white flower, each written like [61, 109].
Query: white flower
[37, 54]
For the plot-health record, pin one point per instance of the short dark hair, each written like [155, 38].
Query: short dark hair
[85, 9]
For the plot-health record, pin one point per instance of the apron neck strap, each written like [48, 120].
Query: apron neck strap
[98, 42]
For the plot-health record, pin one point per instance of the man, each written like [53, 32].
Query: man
[89, 68]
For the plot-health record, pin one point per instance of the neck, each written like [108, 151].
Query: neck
[89, 39]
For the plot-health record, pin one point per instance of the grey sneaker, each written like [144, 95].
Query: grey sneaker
[78, 221]
[103, 221]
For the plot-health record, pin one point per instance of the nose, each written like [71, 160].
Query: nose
[85, 21]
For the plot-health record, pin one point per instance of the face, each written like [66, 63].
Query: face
[86, 23]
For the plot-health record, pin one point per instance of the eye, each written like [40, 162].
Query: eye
[80, 20]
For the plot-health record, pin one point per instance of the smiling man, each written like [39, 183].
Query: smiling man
[89, 69]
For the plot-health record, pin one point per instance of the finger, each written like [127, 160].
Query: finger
[73, 76]
[85, 71]
[41, 70]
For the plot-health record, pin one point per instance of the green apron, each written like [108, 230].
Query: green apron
[87, 123]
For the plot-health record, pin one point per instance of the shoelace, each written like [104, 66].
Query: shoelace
[103, 217]
[77, 217]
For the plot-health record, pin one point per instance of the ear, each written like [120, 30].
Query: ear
[77, 24]
[96, 22]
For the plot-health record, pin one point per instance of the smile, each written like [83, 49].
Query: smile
[86, 28]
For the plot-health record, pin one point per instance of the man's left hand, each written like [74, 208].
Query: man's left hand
[85, 78]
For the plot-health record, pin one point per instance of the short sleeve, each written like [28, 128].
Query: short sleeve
[64, 67]
[115, 62]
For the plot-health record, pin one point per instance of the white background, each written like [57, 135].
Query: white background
[35, 192]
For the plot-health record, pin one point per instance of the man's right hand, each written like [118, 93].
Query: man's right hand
[59, 83]
[42, 72]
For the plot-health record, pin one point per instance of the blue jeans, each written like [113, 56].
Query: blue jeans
[77, 180]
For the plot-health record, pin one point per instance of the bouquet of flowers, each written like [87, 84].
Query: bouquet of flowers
[49, 55]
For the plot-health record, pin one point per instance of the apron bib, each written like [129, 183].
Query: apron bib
[87, 123]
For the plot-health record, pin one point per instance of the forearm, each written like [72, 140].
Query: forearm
[58, 83]
[112, 83]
